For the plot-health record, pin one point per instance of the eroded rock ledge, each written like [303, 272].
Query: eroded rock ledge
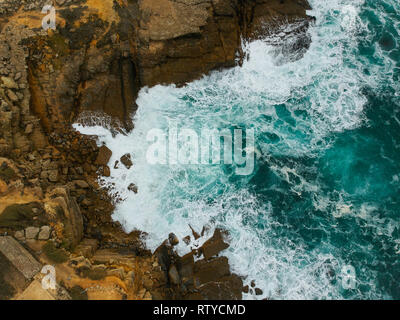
[95, 62]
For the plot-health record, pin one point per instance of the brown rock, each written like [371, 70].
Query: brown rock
[132, 187]
[87, 247]
[104, 156]
[214, 245]
[174, 275]
[212, 270]
[81, 184]
[226, 288]
[106, 171]
[173, 239]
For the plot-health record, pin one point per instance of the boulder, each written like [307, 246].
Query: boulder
[214, 245]
[44, 233]
[174, 275]
[9, 83]
[226, 288]
[212, 270]
[104, 156]
[81, 184]
[126, 161]
[87, 247]
[31, 232]
[60, 204]
[132, 187]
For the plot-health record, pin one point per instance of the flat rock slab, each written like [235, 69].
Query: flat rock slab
[19, 257]
[35, 291]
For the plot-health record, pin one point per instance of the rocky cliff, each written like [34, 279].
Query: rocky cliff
[91, 67]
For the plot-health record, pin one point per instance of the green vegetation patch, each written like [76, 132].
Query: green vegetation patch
[92, 274]
[78, 293]
[54, 254]
[6, 173]
[20, 216]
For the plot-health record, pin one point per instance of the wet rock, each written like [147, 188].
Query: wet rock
[29, 128]
[19, 257]
[214, 245]
[87, 247]
[117, 272]
[173, 239]
[104, 156]
[126, 161]
[186, 240]
[132, 187]
[186, 268]
[106, 171]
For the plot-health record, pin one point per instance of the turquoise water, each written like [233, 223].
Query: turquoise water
[325, 193]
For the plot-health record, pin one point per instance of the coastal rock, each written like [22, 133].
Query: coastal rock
[214, 245]
[89, 71]
[104, 156]
[81, 184]
[173, 275]
[173, 239]
[132, 187]
[126, 161]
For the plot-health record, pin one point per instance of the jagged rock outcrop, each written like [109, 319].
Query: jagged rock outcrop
[103, 52]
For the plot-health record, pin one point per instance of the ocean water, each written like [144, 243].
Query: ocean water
[319, 218]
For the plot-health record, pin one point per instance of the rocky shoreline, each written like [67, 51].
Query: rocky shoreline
[52, 210]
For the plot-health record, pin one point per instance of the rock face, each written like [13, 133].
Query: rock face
[103, 52]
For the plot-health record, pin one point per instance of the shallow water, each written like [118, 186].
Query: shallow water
[324, 198]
